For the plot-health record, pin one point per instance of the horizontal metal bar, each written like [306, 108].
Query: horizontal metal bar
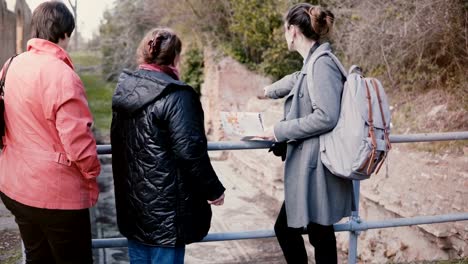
[256, 144]
[427, 137]
[417, 220]
[104, 149]
[110, 242]
[238, 145]
[239, 235]
[122, 242]
[217, 145]
[349, 226]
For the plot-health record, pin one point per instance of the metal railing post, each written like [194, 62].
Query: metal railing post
[354, 219]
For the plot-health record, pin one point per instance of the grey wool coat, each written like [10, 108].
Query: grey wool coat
[312, 193]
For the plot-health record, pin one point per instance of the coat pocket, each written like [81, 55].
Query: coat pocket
[309, 150]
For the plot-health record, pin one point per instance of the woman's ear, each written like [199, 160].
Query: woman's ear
[293, 32]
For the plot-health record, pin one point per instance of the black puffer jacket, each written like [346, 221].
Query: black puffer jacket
[162, 173]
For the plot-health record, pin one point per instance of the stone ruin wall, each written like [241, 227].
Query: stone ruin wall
[14, 28]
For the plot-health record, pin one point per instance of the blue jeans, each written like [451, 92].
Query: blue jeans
[143, 254]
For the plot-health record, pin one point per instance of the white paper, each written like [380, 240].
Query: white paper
[244, 124]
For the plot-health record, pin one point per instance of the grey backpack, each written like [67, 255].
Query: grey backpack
[359, 143]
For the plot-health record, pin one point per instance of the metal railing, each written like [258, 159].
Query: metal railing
[355, 225]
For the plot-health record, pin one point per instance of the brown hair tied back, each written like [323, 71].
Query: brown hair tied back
[155, 44]
[313, 21]
[160, 46]
[321, 20]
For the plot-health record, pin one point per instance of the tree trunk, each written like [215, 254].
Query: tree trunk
[75, 14]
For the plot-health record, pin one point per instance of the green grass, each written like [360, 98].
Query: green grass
[461, 261]
[98, 91]
[12, 256]
[99, 94]
[86, 58]
[10, 246]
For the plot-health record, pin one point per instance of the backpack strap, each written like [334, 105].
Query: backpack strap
[332, 56]
[355, 69]
[386, 133]
[338, 63]
[2, 80]
[310, 70]
[371, 129]
[377, 91]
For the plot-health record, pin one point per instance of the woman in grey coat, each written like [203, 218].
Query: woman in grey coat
[314, 198]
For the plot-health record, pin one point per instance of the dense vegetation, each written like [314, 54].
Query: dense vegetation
[415, 47]
[412, 45]
[249, 31]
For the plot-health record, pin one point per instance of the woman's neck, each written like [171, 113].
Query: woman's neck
[304, 46]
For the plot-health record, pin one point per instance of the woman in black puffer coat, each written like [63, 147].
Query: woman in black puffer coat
[163, 178]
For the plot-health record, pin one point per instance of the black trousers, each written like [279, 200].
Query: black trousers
[290, 239]
[52, 236]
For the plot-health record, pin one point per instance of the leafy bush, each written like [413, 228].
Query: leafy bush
[277, 60]
[192, 68]
[252, 24]
[251, 31]
[257, 37]
[409, 45]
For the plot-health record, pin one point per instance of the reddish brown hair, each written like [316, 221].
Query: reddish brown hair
[159, 46]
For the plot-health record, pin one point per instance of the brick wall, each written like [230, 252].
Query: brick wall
[8, 28]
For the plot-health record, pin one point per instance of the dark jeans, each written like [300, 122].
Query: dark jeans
[290, 239]
[53, 236]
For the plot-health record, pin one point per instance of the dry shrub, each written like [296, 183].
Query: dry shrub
[419, 50]
[411, 45]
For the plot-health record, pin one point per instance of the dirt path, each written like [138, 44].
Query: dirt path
[10, 243]
[244, 210]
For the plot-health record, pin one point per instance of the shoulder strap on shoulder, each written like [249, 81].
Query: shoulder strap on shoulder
[338, 63]
[5, 70]
[310, 70]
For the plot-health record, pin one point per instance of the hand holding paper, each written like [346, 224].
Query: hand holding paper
[268, 134]
[244, 124]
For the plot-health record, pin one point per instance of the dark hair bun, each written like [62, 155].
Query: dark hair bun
[321, 20]
[155, 44]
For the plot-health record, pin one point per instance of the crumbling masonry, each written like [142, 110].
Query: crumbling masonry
[14, 29]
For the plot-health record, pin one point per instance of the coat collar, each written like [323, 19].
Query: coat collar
[43, 46]
[315, 49]
[312, 49]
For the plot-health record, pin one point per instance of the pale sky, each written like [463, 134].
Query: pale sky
[89, 13]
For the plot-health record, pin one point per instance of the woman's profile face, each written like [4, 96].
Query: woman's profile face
[288, 35]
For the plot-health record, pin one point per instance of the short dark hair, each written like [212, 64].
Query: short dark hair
[159, 46]
[52, 21]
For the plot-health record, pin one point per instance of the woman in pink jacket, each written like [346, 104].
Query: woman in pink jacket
[49, 164]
